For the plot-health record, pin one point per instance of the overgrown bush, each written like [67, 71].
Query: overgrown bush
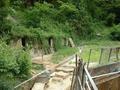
[14, 62]
[8, 62]
[24, 63]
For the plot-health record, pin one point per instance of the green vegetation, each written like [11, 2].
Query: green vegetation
[14, 64]
[96, 50]
[5, 85]
[37, 67]
[37, 20]
[92, 23]
[62, 54]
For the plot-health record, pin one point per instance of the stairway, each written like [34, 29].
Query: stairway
[60, 79]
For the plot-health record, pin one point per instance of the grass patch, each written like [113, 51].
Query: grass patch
[96, 46]
[62, 54]
[96, 43]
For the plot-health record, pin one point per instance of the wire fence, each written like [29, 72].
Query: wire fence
[101, 56]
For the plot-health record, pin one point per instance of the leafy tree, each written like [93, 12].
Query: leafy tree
[105, 10]
[83, 22]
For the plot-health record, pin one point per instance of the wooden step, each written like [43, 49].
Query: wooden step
[38, 86]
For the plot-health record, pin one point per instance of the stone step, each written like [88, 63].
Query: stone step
[59, 85]
[38, 86]
[56, 79]
[61, 74]
[65, 69]
[69, 65]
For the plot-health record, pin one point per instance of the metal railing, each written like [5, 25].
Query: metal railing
[28, 84]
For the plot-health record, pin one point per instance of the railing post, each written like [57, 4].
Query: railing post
[117, 52]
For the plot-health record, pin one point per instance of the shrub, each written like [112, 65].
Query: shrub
[13, 62]
[115, 35]
[24, 63]
[7, 60]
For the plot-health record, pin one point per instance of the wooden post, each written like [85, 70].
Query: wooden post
[42, 53]
[73, 80]
[117, 52]
[101, 55]
[83, 75]
[89, 58]
[76, 84]
[109, 55]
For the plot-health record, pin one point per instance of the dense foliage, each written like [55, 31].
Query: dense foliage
[54, 18]
[105, 10]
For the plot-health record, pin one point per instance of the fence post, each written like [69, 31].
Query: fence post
[117, 52]
[89, 58]
[109, 54]
[101, 55]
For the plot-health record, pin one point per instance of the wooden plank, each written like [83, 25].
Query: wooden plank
[80, 83]
[91, 80]
[71, 42]
[89, 88]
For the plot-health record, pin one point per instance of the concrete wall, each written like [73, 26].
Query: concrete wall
[105, 69]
